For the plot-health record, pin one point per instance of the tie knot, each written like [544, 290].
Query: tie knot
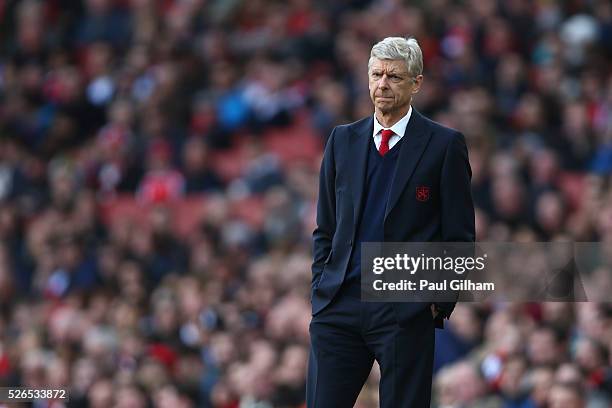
[386, 135]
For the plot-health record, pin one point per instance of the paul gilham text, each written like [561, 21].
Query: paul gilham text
[455, 284]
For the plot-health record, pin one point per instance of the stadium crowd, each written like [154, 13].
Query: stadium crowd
[158, 171]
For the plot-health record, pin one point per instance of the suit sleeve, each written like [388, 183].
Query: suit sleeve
[326, 211]
[457, 207]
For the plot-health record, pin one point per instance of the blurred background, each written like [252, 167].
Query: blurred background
[158, 180]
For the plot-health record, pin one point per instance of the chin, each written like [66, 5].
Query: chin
[384, 108]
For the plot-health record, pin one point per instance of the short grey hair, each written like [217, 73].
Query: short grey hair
[399, 48]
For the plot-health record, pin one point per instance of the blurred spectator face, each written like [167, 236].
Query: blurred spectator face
[63, 188]
[99, 342]
[130, 279]
[168, 397]
[548, 78]
[204, 115]
[194, 155]
[498, 37]
[152, 374]
[575, 119]
[165, 316]
[100, 394]
[159, 154]
[137, 57]
[64, 324]
[590, 319]
[544, 167]
[468, 383]
[121, 113]
[459, 385]
[66, 85]
[391, 85]
[223, 76]
[558, 313]
[541, 382]
[125, 318]
[190, 297]
[529, 113]
[550, 212]
[248, 380]
[589, 355]
[130, 397]
[222, 395]
[292, 369]
[565, 396]
[161, 222]
[99, 57]
[58, 373]
[84, 373]
[189, 371]
[465, 323]
[510, 71]
[508, 197]
[503, 165]
[33, 368]
[512, 374]
[543, 348]
[30, 25]
[69, 253]
[223, 349]
[31, 77]
[200, 258]
[262, 356]
[332, 96]
[568, 373]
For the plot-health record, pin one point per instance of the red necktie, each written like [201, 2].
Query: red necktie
[384, 143]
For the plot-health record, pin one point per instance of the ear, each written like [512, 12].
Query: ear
[418, 81]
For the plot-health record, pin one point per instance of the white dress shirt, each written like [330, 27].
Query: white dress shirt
[399, 129]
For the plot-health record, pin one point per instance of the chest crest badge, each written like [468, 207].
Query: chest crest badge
[422, 193]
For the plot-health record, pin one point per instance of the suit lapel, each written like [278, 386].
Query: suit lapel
[360, 139]
[411, 150]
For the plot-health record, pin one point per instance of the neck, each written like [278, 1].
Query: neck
[388, 119]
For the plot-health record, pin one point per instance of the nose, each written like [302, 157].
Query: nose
[383, 82]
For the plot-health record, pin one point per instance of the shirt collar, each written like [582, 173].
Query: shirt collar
[399, 128]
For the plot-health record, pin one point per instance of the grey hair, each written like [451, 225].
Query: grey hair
[399, 48]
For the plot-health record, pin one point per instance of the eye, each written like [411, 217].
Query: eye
[376, 75]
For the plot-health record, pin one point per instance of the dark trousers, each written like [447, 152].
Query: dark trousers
[348, 335]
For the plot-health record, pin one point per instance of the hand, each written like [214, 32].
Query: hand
[434, 311]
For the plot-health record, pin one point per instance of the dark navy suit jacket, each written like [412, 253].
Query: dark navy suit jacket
[431, 156]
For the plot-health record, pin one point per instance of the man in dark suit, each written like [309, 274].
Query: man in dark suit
[396, 177]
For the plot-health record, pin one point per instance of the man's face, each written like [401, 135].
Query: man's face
[391, 85]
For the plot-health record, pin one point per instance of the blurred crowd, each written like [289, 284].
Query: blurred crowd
[122, 119]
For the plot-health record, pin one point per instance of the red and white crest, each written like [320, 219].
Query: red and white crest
[422, 193]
